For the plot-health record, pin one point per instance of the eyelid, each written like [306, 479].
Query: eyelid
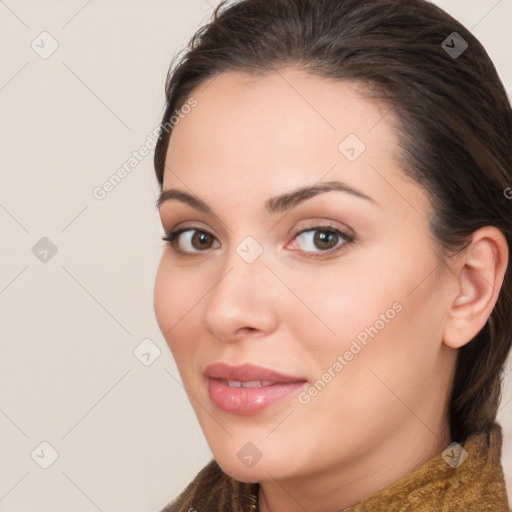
[347, 238]
[346, 235]
[327, 224]
[174, 234]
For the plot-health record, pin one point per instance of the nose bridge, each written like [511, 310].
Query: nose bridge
[244, 268]
[241, 296]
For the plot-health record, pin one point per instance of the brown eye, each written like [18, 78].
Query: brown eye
[201, 240]
[322, 240]
[190, 241]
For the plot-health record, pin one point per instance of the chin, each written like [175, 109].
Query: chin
[269, 464]
[258, 473]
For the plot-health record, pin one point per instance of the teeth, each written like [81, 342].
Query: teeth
[248, 384]
[256, 384]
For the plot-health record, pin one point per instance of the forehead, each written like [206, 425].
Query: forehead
[276, 111]
[285, 129]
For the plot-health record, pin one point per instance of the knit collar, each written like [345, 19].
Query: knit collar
[473, 485]
[447, 482]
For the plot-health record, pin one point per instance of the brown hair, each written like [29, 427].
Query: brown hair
[455, 126]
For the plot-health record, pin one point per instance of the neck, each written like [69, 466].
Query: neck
[339, 487]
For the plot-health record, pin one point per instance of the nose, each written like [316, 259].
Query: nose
[243, 301]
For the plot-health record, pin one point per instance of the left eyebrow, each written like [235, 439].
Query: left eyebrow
[273, 205]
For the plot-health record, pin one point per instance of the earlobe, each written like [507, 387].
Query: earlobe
[480, 273]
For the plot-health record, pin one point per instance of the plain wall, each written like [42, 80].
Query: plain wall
[126, 436]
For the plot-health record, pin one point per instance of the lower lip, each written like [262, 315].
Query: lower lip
[249, 400]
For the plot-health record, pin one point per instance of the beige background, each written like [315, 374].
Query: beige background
[125, 434]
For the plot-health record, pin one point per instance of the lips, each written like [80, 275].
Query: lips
[248, 372]
[248, 389]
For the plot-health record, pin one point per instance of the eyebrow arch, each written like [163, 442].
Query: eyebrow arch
[273, 205]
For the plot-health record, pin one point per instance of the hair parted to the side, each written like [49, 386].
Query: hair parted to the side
[455, 127]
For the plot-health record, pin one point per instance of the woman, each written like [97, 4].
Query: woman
[335, 287]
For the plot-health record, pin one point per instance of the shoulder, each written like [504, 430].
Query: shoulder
[213, 490]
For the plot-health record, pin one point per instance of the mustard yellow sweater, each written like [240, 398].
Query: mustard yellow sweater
[475, 485]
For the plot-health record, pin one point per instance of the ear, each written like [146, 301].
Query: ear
[479, 276]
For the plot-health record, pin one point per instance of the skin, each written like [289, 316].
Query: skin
[253, 137]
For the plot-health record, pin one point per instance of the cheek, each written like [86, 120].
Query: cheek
[387, 346]
[164, 298]
[177, 312]
[337, 304]
[370, 310]
[174, 298]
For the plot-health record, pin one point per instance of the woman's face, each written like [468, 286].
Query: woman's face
[354, 320]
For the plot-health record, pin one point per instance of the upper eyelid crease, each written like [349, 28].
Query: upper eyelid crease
[274, 205]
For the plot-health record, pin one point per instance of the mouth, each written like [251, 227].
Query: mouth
[249, 389]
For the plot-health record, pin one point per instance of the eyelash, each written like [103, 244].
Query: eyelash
[348, 240]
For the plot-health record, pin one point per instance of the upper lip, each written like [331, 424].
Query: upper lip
[248, 372]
